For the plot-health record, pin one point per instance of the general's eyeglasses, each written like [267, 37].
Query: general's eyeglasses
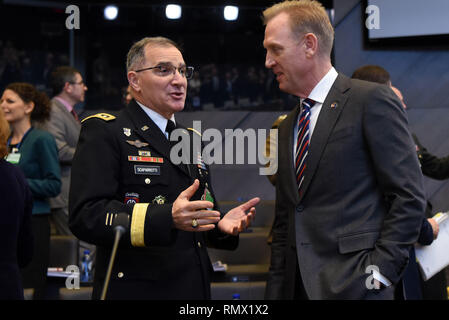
[165, 70]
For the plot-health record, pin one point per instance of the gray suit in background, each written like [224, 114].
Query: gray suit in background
[362, 201]
[66, 129]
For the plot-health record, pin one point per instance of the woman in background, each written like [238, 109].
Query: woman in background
[34, 151]
[16, 238]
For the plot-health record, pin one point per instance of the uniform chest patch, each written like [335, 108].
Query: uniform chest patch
[145, 159]
[131, 198]
[147, 170]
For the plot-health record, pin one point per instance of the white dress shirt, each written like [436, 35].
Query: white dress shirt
[318, 94]
[159, 120]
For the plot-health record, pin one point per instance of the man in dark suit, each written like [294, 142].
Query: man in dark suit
[349, 194]
[410, 289]
[123, 164]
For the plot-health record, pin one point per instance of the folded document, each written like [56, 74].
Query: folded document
[434, 258]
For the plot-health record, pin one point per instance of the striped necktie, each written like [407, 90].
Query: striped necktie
[302, 141]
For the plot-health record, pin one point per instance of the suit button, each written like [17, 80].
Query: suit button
[300, 208]
[199, 244]
[147, 180]
[120, 275]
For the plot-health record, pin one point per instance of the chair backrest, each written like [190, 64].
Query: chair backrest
[252, 249]
[28, 294]
[83, 293]
[63, 251]
[264, 212]
[248, 290]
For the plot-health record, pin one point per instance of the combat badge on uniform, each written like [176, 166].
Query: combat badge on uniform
[159, 200]
[137, 143]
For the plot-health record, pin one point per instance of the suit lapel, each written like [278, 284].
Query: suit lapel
[329, 114]
[150, 132]
[286, 156]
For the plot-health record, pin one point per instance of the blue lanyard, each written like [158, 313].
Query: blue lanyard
[20, 143]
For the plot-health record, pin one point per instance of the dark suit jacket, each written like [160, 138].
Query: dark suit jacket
[361, 153]
[436, 168]
[174, 264]
[432, 166]
[16, 237]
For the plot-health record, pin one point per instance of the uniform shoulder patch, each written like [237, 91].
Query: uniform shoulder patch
[102, 116]
[193, 130]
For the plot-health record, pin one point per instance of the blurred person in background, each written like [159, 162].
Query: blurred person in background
[16, 238]
[69, 89]
[34, 152]
[126, 94]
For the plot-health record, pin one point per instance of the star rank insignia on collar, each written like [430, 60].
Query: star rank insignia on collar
[137, 143]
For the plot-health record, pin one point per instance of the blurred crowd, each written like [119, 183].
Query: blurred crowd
[213, 87]
[222, 87]
[33, 67]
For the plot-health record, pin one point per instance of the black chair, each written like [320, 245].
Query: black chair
[63, 251]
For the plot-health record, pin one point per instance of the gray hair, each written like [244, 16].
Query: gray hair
[136, 55]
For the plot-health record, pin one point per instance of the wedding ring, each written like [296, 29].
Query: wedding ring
[194, 223]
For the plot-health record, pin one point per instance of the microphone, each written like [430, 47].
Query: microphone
[120, 225]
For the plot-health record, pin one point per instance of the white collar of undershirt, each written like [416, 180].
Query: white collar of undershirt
[158, 119]
[321, 90]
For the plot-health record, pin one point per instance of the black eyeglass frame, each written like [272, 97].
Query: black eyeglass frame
[79, 83]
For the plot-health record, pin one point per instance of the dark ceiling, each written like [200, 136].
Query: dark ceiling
[252, 3]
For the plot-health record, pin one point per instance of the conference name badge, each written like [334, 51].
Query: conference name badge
[13, 158]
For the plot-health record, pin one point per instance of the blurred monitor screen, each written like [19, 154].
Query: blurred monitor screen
[409, 18]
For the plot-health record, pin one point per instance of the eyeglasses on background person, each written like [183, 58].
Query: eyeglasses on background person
[164, 70]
